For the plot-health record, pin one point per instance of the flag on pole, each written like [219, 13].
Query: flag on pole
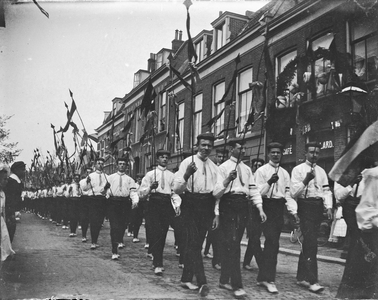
[191, 50]
[354, 160]
[69, 116]
[148, 98]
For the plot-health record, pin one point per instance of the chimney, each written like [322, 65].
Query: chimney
[220, 13]
[151, 63]
[177, 42]
[249, 14]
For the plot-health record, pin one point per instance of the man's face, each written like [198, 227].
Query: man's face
[99, 165]
[256, 165]
[220, 157]
[238, 151]
[20, 172]
[3, 180]
[139, 179]
[163, 160]
[77, 178]
[121, 166]
[205, 147]
[312, 154]
[89, 171]
[68, 180]
[275, 155]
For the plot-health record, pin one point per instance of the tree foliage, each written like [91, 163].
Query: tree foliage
[8, 151]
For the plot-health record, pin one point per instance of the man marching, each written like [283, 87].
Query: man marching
[84, 207]
[96, 184]
[309, 185]
[273, 183]
[197, 176]
[235, 188]
[122, 198]
[163, 205]
[75, 193]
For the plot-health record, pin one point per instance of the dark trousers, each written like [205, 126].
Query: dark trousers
[97, 210]
[234, 215]
[272, 227]
[178, 225]
[59, 209]
[136, 219]
[74, 213]
[160, 215]
[65, 210]
[84, 215]
[11, 225]
[310, 212]
[254, 231]
[198, 212]
[213, 239]
[119, 209]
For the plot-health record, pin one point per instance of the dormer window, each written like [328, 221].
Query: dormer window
[221, 35]
[136, 79]
[199, 50]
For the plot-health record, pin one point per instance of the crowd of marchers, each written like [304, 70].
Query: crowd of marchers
[220, 200]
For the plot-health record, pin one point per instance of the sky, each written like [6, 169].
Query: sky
[92, 48]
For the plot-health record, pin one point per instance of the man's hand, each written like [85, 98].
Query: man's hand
[329, 214]
[262, 215]
[296, 219]
[357, 180]
[190, 170]
[64, 189]
[134, 205]
[309, 176]
[154, 185]
[215, 223]
[107, 186]
[233, 174]
[273, 179]
[177, 211]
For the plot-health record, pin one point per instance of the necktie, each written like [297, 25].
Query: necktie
[162, 180]
[204, 173]
[240, 175]
[120, 183]
[100, 181]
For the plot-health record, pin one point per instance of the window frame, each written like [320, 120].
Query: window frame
[218, 106]
[240, 94]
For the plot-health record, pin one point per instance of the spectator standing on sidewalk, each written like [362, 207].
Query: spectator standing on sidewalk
[197, 177]
[123, 197]
[273, 183]
[13, 191]
[96, 184]
[309, 186]
[236, 190]
[163, 206]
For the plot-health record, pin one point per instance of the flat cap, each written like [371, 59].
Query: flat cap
[313, 144]
[275, 145]
[162, 152]
[206, 136]
[17, 165]
[233, 141]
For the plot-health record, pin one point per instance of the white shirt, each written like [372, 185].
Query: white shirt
[367, 210]
[279, 189]
[317, 187]
[205, 178]
[341, 192]
[165, 184]
[122, 185]
[74, 190]
[96, 185]
[243, 183]
[82, 183]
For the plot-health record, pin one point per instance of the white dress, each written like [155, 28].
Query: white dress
[6, 246]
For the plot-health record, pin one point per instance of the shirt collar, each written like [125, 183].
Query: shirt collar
[15, 177]
[274, 165]
[120, 173]
[234, 159]
[310, 164]
[202, 158]
[98, 172]
[161, 168]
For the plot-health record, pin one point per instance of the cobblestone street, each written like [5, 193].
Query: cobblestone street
[49, 263]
